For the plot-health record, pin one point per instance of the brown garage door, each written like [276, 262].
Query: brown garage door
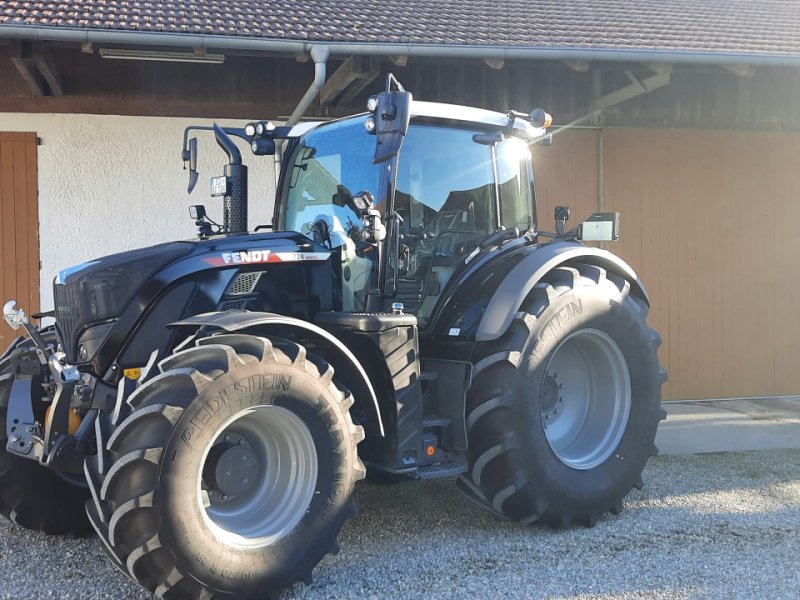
[19, 225]
[709, 220]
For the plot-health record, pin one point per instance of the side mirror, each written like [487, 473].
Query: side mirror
[391, 112]
[192, 164]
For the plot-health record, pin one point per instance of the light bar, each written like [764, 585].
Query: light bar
[158, 55]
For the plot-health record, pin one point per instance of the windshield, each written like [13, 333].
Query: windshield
[329, 166]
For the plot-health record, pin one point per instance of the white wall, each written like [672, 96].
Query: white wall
[113, 183]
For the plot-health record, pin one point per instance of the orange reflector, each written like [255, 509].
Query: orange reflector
[430, 450]
[548, 120]
[72, 425]
[133, 373]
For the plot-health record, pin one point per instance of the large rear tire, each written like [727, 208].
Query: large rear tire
[31, 495]
[563, 410]
[233, 474]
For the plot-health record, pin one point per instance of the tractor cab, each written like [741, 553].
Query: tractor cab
[452, 186]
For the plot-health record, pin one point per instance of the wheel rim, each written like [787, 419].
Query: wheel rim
[257, 477]
[585, 399]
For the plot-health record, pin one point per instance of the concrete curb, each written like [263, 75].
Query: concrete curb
[730, 425]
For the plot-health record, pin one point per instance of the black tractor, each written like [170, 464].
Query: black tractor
[207, 406]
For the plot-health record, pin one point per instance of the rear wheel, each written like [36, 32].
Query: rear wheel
[563, 409]
[31, 495]
[233, 474]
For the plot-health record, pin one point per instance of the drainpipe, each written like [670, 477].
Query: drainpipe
[319, 54]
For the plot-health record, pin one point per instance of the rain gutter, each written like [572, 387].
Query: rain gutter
[254, 44]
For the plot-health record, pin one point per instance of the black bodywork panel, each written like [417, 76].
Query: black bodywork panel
[118, 307]
[481, 299]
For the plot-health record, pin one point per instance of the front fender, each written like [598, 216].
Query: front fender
[344, 360]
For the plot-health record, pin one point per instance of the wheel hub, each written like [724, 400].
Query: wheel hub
[585, 399]
[231, 468]
[550, 394]
[258, 477]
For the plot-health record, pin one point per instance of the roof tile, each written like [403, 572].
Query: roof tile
[724, 26]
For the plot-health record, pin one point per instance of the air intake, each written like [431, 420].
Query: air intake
[244, 284]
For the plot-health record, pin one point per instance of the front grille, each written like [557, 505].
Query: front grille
[234, 304]
[67, 318]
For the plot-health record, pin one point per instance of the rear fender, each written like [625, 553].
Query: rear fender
[500, 295]
[349, 370]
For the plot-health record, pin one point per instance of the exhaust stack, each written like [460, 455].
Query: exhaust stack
[235, 204]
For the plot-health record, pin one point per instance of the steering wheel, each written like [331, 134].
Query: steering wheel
[446, 243]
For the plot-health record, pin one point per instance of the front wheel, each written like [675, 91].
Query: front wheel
[563, 410]
[233, 474]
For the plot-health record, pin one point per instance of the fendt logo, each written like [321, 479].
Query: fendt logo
[248, 257]
[253, 256]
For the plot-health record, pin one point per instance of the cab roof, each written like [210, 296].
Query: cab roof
[448, 112]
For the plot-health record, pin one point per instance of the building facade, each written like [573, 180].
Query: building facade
[694, 141]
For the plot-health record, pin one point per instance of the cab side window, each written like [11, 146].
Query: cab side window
[516, 205]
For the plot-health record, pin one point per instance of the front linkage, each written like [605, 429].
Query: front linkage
[57, 431]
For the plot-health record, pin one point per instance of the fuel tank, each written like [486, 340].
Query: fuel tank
[112, 312]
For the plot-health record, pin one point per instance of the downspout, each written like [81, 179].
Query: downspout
[319, 54]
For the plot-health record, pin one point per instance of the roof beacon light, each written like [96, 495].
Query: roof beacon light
[540, 118]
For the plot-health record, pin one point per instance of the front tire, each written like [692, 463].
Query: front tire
[233, 474]
[563, 410]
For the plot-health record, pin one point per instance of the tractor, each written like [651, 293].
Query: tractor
[207, 406]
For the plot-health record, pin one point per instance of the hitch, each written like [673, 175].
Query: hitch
[16, 317]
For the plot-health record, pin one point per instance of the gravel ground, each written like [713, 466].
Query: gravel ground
[705, 526]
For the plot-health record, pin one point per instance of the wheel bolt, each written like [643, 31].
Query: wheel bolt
[560, 399]
[245, 481]
[227, 438]
[555, 411]
[561, 386]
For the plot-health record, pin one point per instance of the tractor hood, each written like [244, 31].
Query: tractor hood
[103, 289]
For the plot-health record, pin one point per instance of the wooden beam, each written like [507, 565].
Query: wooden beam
[399, 61]
[637, 87]
[495, 63]
[741, 70]
[581, 66]
[358, 86]
[21, 57]
[659, 67]
[43, 59]
[352, 76]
